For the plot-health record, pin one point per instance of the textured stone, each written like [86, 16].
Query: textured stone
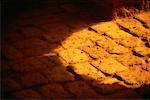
[109, 65]
[53, 91]
[95, 51]
[128, 94]
[87, 71]
[11, 52]
[54, 34]
[111, 46]
[88, 34]
[112, 30]
[136, 77]
[145, 51]
[58, 74]
[33, 79]
[128, 59]
[55, 37]
[29, 32]
[33, 47]
[108, 85]
[27, 94]
[28, 65]
[11, 85]
[134, 26]
[81, 90]
[74, 55]
[144, 17]
[76, 42]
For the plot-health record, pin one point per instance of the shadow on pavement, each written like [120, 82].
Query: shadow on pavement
[27, 38]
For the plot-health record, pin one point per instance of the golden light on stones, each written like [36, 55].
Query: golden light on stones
[72, 51]
[106, 50]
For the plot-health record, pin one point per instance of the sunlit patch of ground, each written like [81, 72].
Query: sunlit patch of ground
[52, 59]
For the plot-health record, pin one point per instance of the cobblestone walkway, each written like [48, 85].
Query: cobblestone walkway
[57, 52]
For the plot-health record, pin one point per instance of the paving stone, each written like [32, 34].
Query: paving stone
[108, 85]
[134, 26]
[11, 53]
[76, 42]
[33, 47]
[130, 42]
[128, 94]
[52, 60]
[128, 59]
[148, 64]
[28, 65]
[58, 74]
[105, 27]
[54, 91]
[108, 65]
[10, 84]
[136, 77]
[72, 43]
[111, 46]
[81, 90]
[87, 34]
[74, 55]
[145, 51]
[33, 79]
[56, 32]
[148, 60]
[75, 23]
[95, 52]
[148, 67]
[112, 30]
[27, 94]
[87, 71]
[144, 17]
[29, 32]
[57, 60]
[47, 61]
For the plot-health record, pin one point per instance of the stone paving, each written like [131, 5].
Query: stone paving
[58, 52]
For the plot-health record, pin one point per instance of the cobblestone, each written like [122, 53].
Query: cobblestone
[74, 55]
[109, 65]
[144, 17]
[112, 30]
[128, 59]
[95, 51]
[134, 27]
[33, 79]
[29, 65]
[33, 47]
[81, 90]
[125, 94]
[28, 94]
[111, 46]
[11, 53]
[59, 52]
[58, 74]
[58, 91]
[88, 72]
[29, 32]
[11, 85]
[132, 78]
